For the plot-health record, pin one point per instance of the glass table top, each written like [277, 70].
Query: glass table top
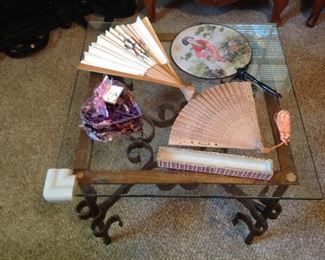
[268, 65]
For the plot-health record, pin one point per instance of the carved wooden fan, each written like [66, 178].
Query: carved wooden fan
[222, 116]
[133, 51]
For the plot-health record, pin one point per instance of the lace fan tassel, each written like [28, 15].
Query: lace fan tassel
[283, 123]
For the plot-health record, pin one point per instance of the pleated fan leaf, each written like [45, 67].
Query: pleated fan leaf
[223, 116]
[133, 51]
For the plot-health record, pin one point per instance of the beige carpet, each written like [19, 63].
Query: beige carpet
[34, 101]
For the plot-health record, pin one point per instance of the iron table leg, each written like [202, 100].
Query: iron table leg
[260, 211]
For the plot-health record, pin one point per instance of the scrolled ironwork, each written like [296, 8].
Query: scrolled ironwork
[162, 112]
[100, 230]
[87, 208]
[253, 228]
[276, 210]
[83, 210]
[100, 227]
[256, 229]
[140, 144]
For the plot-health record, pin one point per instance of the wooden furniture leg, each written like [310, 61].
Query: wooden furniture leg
[151, 9]
[317, 8]
[278, 7]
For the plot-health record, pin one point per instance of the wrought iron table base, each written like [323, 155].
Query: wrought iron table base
[260, 210]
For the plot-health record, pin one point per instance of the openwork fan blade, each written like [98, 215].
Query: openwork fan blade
[223, 116]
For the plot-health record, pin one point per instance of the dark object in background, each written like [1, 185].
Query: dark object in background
[113, 8]
[25, 25]
[217, 2]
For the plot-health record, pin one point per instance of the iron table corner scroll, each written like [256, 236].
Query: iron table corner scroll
[260, 210]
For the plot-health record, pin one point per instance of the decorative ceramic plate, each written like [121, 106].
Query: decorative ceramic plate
[210, 51]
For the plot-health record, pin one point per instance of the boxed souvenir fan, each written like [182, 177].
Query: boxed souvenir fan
[215, 163]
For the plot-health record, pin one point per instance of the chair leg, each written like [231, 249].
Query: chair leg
[151, 9]
[278, 7]
[317, 8]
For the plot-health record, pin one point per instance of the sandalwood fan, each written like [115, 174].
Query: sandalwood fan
[133, 51]
[224, 117]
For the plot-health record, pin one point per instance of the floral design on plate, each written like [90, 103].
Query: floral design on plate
[210, 51]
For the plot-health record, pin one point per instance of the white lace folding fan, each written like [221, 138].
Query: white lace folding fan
[133, 51]
[222, 116]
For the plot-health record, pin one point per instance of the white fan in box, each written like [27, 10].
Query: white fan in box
[214, 163]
